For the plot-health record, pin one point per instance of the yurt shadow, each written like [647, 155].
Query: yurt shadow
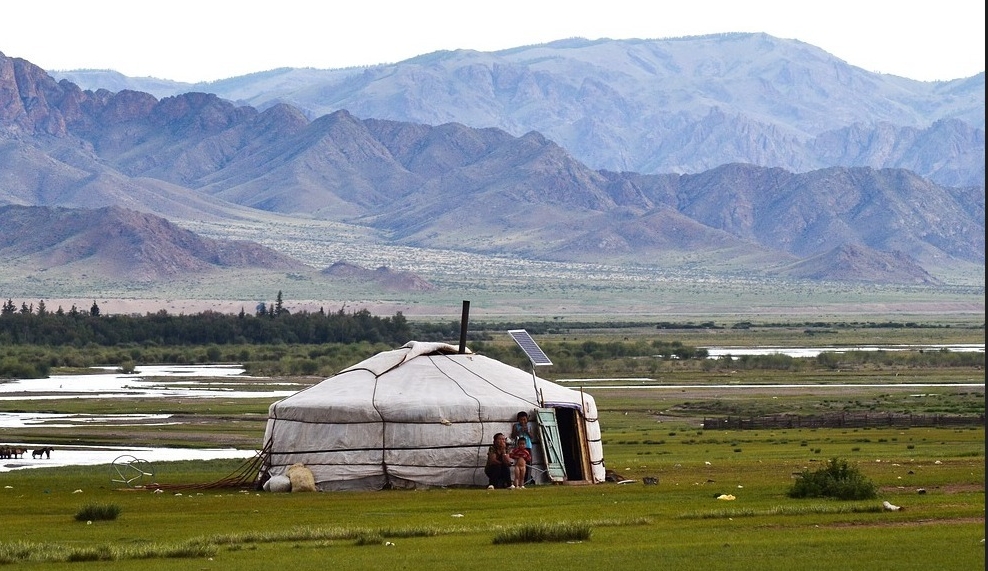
[424, 415]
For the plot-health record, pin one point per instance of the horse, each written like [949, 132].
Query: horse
[42, 453]
[11, 452]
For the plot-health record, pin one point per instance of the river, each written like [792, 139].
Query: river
[149, 381]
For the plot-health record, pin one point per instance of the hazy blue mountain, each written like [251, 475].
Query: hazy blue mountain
[681, 105]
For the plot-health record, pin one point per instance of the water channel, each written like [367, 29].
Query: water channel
[151, 381]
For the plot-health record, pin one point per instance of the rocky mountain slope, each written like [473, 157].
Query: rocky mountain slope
[122, 244]
[458, 188]
[682, 105]
[385, 277]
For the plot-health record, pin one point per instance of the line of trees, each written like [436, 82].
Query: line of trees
[268, 324]
[272, 341]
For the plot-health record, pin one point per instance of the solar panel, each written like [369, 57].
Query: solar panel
[529, 346]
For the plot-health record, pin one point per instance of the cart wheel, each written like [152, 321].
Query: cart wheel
[131, 471]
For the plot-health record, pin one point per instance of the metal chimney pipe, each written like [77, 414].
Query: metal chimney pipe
[464, 318]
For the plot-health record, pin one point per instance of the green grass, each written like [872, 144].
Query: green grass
[616, 526]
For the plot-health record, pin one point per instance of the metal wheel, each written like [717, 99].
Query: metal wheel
[131, 471]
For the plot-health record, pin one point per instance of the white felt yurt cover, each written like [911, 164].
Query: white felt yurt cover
[419, 416]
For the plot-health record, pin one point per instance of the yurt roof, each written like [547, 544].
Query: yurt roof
[424, 381]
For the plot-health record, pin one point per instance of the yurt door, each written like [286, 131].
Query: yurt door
[552, 444]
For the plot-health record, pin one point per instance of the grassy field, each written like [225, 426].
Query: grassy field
[936, 475]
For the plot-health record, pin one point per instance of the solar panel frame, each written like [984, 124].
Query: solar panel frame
[530, 347]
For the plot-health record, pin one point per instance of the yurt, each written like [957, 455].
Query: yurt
[423, 416]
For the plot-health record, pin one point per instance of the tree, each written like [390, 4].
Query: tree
[42, 310]
[279, 306]
[94, 310]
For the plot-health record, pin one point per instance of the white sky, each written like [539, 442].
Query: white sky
[206, 40]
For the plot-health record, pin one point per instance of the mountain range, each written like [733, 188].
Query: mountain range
[681, 105]
[908, 213]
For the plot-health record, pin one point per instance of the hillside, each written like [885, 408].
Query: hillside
[122, 244]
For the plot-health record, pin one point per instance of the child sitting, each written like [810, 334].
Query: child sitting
[522, 458]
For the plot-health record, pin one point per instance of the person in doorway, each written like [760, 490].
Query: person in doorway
[522, 457]
[522, 430]
[498, 468]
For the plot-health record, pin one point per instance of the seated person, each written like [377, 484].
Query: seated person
[498, 468]
[522, 458]
[522, 430]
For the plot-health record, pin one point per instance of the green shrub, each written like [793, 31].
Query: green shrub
[369, 538]
[541, 532]
[98, 512]
[16, 368]
[837, 479]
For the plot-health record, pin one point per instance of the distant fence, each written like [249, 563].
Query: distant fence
[845, 420]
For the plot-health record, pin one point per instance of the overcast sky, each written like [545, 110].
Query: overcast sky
[206, 40]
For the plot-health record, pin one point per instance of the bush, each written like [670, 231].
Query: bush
[98, 512]
[17, 368]
[837, 479]
[543, 532]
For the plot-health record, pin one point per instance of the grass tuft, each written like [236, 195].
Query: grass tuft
[543, 532]
[97, 512]
[95, 553]
[369, 539]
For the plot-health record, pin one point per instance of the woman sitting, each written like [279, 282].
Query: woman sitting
[498, 468]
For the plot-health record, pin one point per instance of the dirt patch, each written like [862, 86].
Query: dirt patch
[948, 489]
[912, 523]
